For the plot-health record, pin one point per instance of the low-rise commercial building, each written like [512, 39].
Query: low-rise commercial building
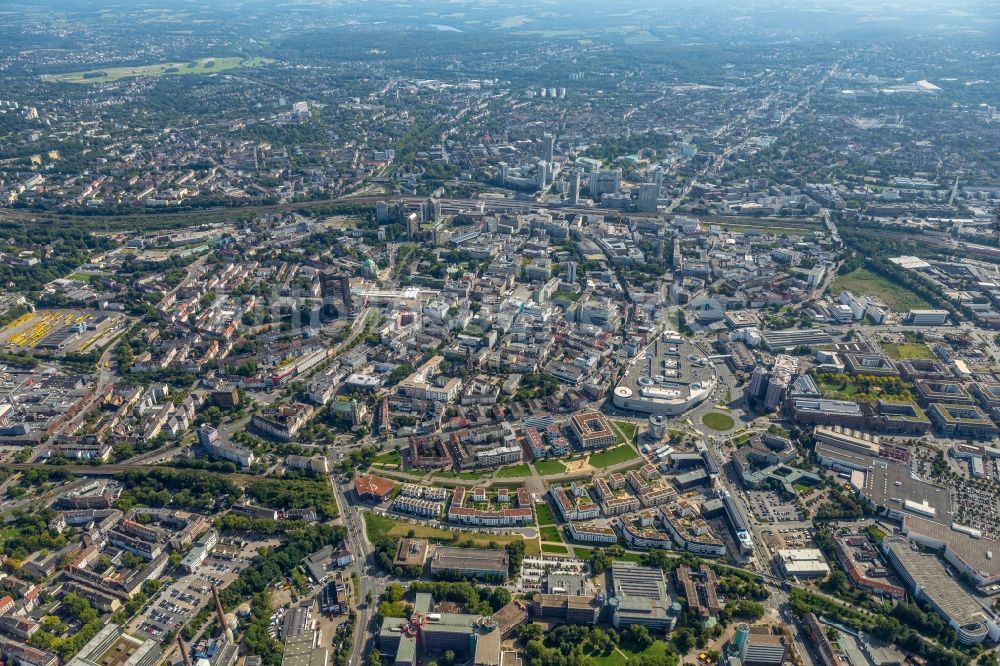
[927, 579]
[470, 562]
[802, 563]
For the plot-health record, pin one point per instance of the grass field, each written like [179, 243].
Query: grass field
[864, 282]
[389, 459]
[618, 454]
[516, 470]
[718, 421]
[475, 476]
[851, 390]
[555, 549]
[544, 515]
[627, 429]
[876, 533]
[836, 391]
[377, 526]
[202, 66]
[83, 277]
[627, 654]
[901, 350]
[549, 467]
[468, 476]
[550, 533]
[584, 554]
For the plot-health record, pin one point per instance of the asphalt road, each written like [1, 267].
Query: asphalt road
[357, 540]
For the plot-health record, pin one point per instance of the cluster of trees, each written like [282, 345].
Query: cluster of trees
[31, 533]
[515, 554]
[256, 636]
[289, 493]
[392, 604]
[74, 609]
[70, 247]
[536, 385]
[273, 564]
[221, 466]
[905, 625]
[580, 645]
[841, 505]
[342, 642]
[186, 489]
[357, 459]
[474, 599]
[736, 583]
[744, 609]
[611, 148]
[869, 387]
[682, 326]
[420, 136]
[286, 135]
[399, 373]
[233, 523]
[600, 559]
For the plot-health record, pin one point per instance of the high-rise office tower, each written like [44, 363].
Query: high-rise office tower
[571, 271]
[548, 147]
[412, 226]
[542, 177]
[430, 210]
[574, 188]
[759, 380]
[602, 182]
[649, 193]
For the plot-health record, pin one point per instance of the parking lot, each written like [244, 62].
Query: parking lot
[767, 507]
[180, 601]
[790, 537]
[534, 570]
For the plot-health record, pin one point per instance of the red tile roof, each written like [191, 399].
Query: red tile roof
[374, 486]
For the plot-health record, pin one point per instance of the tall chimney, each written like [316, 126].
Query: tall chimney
[185, 657]
[218, 609]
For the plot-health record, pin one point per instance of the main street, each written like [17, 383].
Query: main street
[360, 572]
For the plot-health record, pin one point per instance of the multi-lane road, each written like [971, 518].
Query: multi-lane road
[361, 571]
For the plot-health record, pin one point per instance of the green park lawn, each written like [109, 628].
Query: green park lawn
[901, 350]
[627, 654]
[550, 533]
[841, 387]
[585, 553]
[863, 282]
[388, 459]
[718, 421]
[202, 66]
[544, 515]
[467, 476]
[628, 429]
[514, 471]
[614, 456]
[549, 467]
[382, 526]
[555, 549]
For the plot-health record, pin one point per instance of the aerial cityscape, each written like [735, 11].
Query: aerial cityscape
[488, 333]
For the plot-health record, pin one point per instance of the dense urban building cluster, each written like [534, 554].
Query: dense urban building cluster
[490, 334]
